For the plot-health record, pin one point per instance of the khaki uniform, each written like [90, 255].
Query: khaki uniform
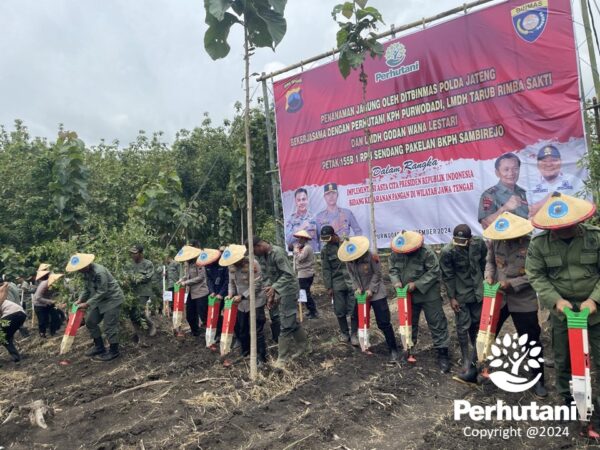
[104, 298]
[568, 270]
[422, 268]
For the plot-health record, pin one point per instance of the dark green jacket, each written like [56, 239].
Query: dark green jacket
[462, 270]
[173, 274]
[141, 275]
[571, 271]
[100, 289]
[279, 273]
[420, 267]
[335, 274]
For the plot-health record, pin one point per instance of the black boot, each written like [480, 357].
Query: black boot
[97, 349]
[12, 350]
[464, 352]
[111, 354]
[443, 359]
[345, 333]
[469, 376]
[275, 327]
[539, 390]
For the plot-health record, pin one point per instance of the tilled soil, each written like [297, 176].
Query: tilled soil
[337, 398]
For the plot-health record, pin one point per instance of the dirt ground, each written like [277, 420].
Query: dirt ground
[337, 398]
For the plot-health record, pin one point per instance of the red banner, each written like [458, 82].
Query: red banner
[443, 105]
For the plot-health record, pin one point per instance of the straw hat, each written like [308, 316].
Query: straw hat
[562, 211]
[53, 278]
[407, 242]
[208, 256]
[43, 266]
[353, 248]
[302, 234]
[79, 261]
[186, 253]
[232, 254]
[41, 273]
[507, 226]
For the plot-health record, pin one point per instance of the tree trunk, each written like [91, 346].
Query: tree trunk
[253, 371]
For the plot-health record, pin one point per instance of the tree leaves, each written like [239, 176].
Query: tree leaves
[215, 38]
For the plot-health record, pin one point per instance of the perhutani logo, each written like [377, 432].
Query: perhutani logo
[395, 55]
[510, 354]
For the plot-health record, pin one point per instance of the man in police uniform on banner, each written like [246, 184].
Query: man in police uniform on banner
[341, 219]
[506, 196]
[549, 164]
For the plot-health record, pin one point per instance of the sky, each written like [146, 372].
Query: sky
[109, 68]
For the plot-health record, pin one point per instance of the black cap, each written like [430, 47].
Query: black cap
[461, 234]
[330, 187]
[326, 233]
[548, 150]
[137, 248]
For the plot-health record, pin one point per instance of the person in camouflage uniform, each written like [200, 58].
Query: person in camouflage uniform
[339, 286]
[563, 267]
[140, 275]
[462, 263]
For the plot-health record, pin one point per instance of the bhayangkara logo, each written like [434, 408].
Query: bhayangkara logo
[395, 54]
[294, 100]
[530, 19]
[508, 356]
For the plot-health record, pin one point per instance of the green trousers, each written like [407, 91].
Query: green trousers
[288, 314]
[436, 320]
[110, 320]
[344, 303]
[467, 321]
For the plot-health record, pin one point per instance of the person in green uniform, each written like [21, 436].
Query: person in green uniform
[272, 308]
[141, 273]
[339, 286]
[505, 196]
[462, 263]
[509, 241]
[563, 267]
[283, 288]
[101, 300]
[415, 265]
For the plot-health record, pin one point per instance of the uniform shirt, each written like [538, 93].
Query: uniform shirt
[13, 293]
[496, 196]
[239, 284]
[462, 270]
[42, 296]
[342, 220]
[172, 274]
[279, 272]
[100, 289]
[305, 222]
[142, 272]
[195, 278]
[304, 261]
[217, 278]
[558, 269]
[542, 189]
[7, 308]
[506, 262]
[365, 273]
[335, 273]
[420, 267]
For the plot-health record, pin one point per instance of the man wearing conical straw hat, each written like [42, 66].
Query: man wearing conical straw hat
[282, 287]
[563, 267]
[365, 273]
[304, 261]
[415, 265]
[101, 300]
[44, 305]
[509, 235]
[462, 263]
[194, 279]
[238, 265]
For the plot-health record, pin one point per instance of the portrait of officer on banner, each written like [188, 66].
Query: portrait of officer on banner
[301, 219]
[551, 179]
[506, 195]
[341, 219]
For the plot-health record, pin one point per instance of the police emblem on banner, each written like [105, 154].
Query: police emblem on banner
[530, 19]
[293, 100]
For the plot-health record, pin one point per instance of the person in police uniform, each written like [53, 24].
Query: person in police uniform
[301, 219]
[506, 195]
[462, 263]
[217, 279]
[341, 219]
[282, 288]
[415, 265]
[549, 164]
[101, 300]
[339, 286]
[562, 265]
[304, 261]
[234, 259]
[140, 274]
